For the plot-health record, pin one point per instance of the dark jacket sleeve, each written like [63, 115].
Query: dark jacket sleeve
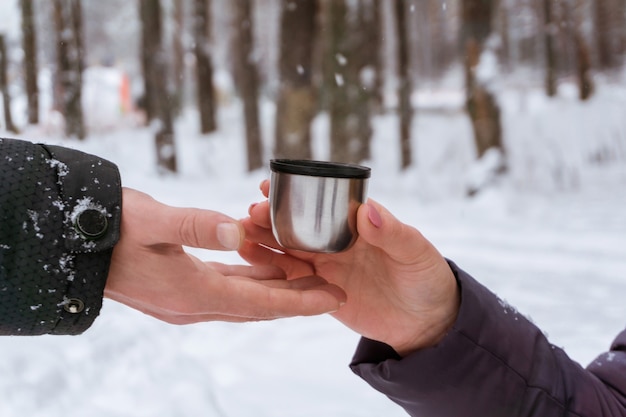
[60, 214]
[495, 363]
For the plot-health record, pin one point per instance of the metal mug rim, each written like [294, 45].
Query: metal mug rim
[315, 168]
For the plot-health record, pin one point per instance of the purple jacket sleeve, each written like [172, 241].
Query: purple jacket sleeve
[495, 363]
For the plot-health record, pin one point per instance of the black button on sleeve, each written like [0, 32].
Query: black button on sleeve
[91, 223]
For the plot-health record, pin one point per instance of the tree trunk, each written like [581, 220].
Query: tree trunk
[621, 24]
[178, 57]
[603, 30]
[481, 105]
[366, 72]
[296, 99]
[371, 19]
[156, 94]
[4, 87]
[404, 84]
[163, 123]
[349, 93]
[582, 54]
[204, 66]
[68, 23]
[29, 44]
[549, 32]
[583, 70]
[323, 56]
[505, 34]
[150, 14]
[338, 99]
[247, 79]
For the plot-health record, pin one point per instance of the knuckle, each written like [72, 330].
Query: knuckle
[188, 229]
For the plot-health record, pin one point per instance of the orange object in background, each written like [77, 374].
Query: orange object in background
[126, 102]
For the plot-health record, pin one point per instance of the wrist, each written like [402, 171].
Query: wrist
[433, 326]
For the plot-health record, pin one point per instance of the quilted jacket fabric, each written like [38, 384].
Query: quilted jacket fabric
[60, 214]
[495, 363]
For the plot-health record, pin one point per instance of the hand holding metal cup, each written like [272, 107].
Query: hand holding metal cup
[313, 204]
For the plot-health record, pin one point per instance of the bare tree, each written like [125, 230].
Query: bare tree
[4, 87]
[365, 70]
[604, 28]
[68, 26]
[151, 32]
[178, 56]
[204, 66]
[247, 81]
[504, 29]
[549, 33]
[296, 99]
[348, 92]
[336, 82]
[621, 25]
[404, 84]
[431, 30]
[156, 92]
[573, 17]
[481, 104]
[370, 17]
[29, 45]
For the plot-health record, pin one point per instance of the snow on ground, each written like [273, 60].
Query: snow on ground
[550, 239]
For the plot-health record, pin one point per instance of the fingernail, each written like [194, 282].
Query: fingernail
[252, 206]
[336, 310]
[374, 216]
[228, 235]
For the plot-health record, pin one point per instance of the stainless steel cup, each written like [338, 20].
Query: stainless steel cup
[313, 204]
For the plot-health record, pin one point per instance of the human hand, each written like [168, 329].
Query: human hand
[400, 290]
[151, 272]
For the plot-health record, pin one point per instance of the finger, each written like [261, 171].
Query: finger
[378, 227]
[198, 228]
[259, 234]
[258, 255]
[183, 319]
[257, 272]
[265, 187]
[260, 214]
[255, 300]
[301, 283]
[243, 300]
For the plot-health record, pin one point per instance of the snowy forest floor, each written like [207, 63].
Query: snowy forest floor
[550, 238]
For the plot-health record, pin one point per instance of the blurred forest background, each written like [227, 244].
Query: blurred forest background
[350, 59]
[519, 103]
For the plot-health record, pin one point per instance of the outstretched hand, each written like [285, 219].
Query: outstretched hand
[151, 272]
[400, 290]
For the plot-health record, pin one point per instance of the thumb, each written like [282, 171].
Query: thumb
[201, 229]
[401, 242]
[155, 223]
